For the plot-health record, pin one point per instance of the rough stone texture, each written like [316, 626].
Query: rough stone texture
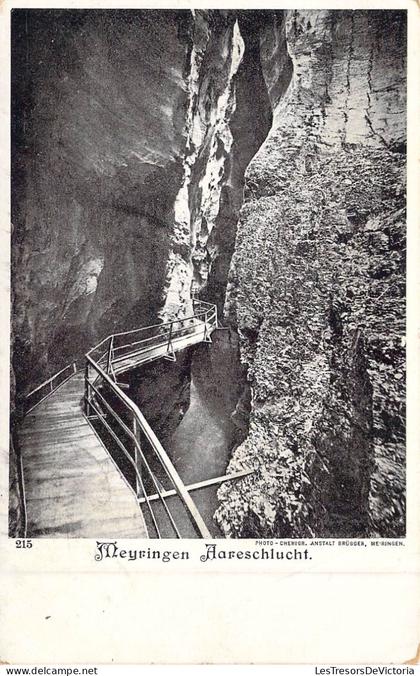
[316, 286]
[248, 128]
[223, 133]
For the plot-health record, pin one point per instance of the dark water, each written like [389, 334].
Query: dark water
[202, 444]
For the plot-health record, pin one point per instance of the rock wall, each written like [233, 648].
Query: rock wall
[131, 135]
[248, 128]
[99, 107]
[316, 288]
[223, 134]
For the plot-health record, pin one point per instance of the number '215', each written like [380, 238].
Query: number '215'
[23, 544]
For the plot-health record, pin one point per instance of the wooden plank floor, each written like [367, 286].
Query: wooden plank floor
[160, 350]
[72, 487]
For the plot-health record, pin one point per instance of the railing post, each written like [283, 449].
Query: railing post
[170, 354]
[137, 459]
[170, 336]
[87, 390]
[207, 336]
[109, 360]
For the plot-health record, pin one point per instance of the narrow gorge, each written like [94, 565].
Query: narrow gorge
[254, 159]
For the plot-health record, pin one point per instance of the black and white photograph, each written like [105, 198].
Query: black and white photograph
[208, 273]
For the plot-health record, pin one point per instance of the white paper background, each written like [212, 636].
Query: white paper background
[347, 605]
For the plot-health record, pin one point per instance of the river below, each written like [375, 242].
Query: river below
[202, 443]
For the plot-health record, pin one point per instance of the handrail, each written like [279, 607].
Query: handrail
[138, 420]
[163, 324]
[158, 449]
[49, 381]
[175, 336]
[139, 478]
[155, 326]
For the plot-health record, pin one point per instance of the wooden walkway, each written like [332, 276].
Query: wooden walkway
[72, 487]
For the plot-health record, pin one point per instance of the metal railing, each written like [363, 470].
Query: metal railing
[123, 421]
[129, 430]
[127, 426]
[113, 350]
[45, 389]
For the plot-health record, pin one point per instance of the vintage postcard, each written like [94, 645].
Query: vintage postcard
[210, 264]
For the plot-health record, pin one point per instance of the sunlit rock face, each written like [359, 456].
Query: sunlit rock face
[316, 287]
[249, 125]
[215, 56]
[223, 133]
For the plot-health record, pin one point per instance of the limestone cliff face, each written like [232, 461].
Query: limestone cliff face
[316, 288]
